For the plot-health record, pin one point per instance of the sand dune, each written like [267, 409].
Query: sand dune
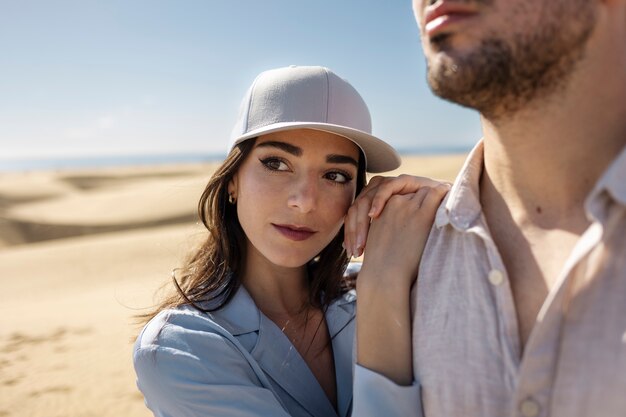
[81, 252]
[42, 206]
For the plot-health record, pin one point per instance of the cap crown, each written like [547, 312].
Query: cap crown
[276, 97]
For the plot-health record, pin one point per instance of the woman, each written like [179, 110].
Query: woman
[261, 325]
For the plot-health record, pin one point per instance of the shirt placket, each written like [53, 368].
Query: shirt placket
[541, 356]
[497, 279]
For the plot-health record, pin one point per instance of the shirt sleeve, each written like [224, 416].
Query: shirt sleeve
[180, 382]
[376, 395]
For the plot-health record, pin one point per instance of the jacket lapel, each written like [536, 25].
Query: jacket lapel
[240, 315]
[281, 361]
[341, 326]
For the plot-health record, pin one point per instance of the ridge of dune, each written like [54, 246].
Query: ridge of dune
[123, 203]
[41, 206]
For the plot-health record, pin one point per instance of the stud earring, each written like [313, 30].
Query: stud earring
[231, 199]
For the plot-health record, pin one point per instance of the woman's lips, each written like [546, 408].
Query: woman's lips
[440, 17]
[292, 232]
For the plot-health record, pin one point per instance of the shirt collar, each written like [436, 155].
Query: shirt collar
[461, 206]
[610, 188]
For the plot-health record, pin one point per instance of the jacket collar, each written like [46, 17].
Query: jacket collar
[240, 315]
[282, 362]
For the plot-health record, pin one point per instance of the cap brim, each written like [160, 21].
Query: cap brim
[379, 156]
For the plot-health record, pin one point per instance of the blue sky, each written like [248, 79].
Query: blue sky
[120, 77]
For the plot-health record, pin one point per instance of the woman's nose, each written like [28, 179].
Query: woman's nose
[304, 194]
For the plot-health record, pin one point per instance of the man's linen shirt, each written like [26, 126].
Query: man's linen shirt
[467, 356]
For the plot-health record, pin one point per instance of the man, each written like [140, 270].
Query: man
[520, 304]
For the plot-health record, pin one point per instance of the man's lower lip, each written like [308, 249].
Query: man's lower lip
[444, 22]
[294, 234]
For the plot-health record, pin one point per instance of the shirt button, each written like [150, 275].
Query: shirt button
[496, 277]
[529, 408]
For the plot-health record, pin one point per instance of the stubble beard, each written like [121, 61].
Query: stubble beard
[501, 77]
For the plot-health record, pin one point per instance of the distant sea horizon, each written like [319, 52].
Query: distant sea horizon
[19, 164]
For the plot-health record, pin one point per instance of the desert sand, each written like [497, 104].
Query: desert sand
[82, 252]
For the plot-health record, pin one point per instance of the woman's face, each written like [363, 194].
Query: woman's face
[292, 193]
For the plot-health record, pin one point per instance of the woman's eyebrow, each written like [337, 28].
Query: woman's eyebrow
[341, 159]
[296, 151]
[287, 147]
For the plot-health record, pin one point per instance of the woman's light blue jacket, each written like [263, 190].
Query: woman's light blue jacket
[237, 362]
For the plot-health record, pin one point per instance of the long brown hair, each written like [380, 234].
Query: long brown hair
[210, 275]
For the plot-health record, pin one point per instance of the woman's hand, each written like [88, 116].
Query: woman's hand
[370, 203]
[395, 243]
[397, 237]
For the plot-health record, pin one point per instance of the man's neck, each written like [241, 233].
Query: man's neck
[545, 159]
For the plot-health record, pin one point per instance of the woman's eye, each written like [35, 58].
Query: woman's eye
[275, 164]
[338, 177]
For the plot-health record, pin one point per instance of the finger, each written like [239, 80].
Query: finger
[349, 230]
[357, 215]
[370, 189]
[363, 202]
[420, 195]
[376, 180]
[433, 199]
[362, 224]
[403, 184]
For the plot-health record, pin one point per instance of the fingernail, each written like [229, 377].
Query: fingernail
[372, 211]
[359, 243]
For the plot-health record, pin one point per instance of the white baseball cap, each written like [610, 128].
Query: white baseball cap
[311, 98]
